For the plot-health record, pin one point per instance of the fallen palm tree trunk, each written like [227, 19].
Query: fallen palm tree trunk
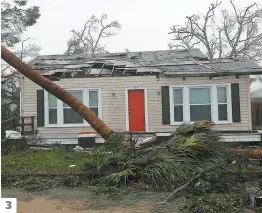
[98, 125]
[248, 152]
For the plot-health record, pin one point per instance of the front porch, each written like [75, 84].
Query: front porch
[243, 138]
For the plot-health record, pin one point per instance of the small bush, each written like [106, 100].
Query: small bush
[258, 127]
[11, 146]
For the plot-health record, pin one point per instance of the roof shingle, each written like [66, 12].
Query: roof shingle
[167, 62]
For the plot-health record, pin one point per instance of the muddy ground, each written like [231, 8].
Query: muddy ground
[85, 200]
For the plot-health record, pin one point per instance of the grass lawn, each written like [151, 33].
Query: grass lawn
[42, 161]
[57, 162]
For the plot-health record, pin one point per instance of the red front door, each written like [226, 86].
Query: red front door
[136, 110]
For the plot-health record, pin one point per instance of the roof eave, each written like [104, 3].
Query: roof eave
[185, 74]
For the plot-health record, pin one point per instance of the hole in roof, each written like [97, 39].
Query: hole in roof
[109, 67]
[97, 65]
[134, 57]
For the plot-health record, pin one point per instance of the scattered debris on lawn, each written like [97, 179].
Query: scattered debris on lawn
[38, 182]
[79, 149]
[145, 141]
[226, 203]
[40, 148]
[193, 163]
[11, 134]
[194, 160]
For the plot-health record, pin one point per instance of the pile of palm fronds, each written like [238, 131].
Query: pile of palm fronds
[189, 150]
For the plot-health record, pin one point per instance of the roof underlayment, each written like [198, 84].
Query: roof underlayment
[160, 63]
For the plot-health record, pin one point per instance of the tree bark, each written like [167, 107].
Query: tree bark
[98, 125]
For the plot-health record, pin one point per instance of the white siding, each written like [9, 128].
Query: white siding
[113, 108]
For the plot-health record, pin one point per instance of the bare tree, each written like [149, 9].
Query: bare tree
[30, 50]
[88, 39]
[11, 81]
[16, 17]
[237, 34]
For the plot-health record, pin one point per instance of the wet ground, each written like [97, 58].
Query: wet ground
[85, 200]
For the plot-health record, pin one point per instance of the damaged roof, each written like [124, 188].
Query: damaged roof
[166, 62]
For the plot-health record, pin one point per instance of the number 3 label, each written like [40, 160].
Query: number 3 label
[8, 205]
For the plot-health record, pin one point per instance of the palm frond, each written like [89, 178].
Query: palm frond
[190, 149]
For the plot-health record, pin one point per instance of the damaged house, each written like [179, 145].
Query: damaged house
[152, 92]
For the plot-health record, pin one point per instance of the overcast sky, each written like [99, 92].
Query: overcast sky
[145, 23]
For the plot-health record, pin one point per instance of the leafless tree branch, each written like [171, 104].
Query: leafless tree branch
[194, 33]
[11, 78]
[238, 34]
[88, 40]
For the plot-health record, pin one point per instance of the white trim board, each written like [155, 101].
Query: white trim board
[229, 137]
[146, 107]
[249, 137]
[226, 137]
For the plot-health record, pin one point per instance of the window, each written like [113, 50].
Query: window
[60, 114]
[52, 109]
[93, 101]
[194, 103]
[200, 103]
[222, 103]
[178, 104]
[70, 115]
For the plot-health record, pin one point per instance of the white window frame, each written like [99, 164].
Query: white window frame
[214, 103]
[60, 118]
[48, 109]
[189, 104]
[172, 100]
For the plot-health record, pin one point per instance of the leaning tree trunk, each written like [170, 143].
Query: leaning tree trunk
[98, 125]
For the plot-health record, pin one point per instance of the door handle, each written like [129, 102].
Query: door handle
[129, 111]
